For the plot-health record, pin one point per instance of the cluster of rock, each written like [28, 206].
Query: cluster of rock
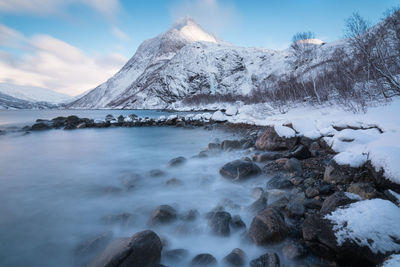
[74, 122]
[307, 190]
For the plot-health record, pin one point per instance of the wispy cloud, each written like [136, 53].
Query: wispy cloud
[117, 32]
[47, 7]
[52, 63]
[214, 15]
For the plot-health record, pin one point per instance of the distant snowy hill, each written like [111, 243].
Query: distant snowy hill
[186, 61]
[9, 102]
[33, 94]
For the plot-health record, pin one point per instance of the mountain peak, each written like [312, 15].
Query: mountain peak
[191, 31]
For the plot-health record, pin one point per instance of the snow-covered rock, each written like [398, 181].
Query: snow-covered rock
[231, 111]
[392, 261]
[219, 116]
[362, 233]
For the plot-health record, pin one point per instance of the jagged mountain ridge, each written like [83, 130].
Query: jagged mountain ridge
[185, 61]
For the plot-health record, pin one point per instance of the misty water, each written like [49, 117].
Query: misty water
[57, 188]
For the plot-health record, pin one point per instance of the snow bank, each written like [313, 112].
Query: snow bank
[353, 159]
[284, 131]
[374, 136]
[392, 261]
[367, 220]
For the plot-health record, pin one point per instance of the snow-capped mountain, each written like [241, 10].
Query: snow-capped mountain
[185, 61]
[33, 94]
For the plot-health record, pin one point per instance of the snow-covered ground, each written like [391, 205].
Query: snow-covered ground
[374, 135]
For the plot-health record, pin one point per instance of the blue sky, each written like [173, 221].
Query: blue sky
[107, 32]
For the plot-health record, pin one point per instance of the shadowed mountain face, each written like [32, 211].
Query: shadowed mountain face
[186, 61]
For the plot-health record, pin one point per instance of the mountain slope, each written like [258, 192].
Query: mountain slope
[187, 61]
[9, 102]
[33, 94]
[150, 55]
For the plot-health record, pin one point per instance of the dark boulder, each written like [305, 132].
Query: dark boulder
[299, 152]
[231, 144]
[204, 259]
[266, 260]
[293, 166]
[270, 155]
[239, 170]
[258, 205]
[163, 214]
[155, 173]
[270, 140]
[219, 223]
[295, 208]
[214, 146]
[71, 122]
[279, 182]
[237, 222]
[176, 161]
[143, 249]
[336, 200]
[236, 258]
[312, 192]
[268, 226]
[41, 126]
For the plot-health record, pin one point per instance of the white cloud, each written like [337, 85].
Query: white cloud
[119, 33]
[51, 63]
[9, 37]
[212, 14]
[46, 7]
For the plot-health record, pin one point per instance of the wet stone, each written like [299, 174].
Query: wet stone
[163, 214]
[219, 223]
[236, 258]
[204, 259]
[237, 222]
[266, 260]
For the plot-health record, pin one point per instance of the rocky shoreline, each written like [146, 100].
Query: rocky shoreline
[310, 204]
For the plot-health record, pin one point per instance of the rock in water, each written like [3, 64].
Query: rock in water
[176, 161]
[266, 260]
[270, 140]
[143, 249]
[236, 258]
[204, 260]
[268, 226]
[231, 144]
[239, 170]
[161, 215]
[219, 223]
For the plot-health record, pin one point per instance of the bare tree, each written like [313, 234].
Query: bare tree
[376, 50]
[304, 51]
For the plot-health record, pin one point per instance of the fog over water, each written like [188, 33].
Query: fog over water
[57, 186]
